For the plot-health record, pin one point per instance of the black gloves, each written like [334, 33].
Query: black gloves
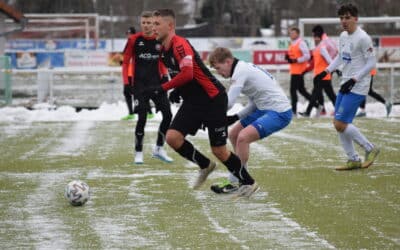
[338, 72]
[320, 76]
[174, 96]
[230, 119]
[153, 90]
[290, 60]
[347, 86]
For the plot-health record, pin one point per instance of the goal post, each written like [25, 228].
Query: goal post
[335, 20]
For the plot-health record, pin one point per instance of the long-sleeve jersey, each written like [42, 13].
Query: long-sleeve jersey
[298, 50]
[321, 59]
[259, 86]
[357, 54]
[142, 54]
[195, 82]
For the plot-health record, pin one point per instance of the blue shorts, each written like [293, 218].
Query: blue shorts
[346, 106]
[267, 121]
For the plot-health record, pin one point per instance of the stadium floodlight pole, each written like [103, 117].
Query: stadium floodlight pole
[335, 20]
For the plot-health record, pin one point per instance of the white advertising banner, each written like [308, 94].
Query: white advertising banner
[86, 58]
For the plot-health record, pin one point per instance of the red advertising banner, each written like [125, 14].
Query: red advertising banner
[390, 41]
[269, 57]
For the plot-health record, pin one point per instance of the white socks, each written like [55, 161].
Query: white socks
[348, 147]
[359, 138]
[350, 134]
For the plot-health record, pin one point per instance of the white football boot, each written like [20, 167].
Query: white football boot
[139, 157]
[160, 153]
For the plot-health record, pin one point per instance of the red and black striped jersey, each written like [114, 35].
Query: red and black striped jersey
[195, 82]
[144, 53]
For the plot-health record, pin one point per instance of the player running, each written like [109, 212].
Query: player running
[321, 59]
[357, 54]
[268, 109]
[143, 49]
[204, 104]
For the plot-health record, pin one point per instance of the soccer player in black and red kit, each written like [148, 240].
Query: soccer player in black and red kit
[143, 50]
[204, 103]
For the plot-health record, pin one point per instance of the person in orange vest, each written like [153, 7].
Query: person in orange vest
[321, 59]
[297, 56]
[377, 97]
[128, 87]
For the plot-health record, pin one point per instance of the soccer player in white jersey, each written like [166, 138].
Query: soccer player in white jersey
[357, 55]
[268, 109]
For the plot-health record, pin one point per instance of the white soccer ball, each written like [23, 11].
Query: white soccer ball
[77, 192]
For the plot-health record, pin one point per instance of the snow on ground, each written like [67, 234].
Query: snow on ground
[114, 112]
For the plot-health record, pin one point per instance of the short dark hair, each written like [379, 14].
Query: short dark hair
[146, 14]
[318, 30]
[131, 30]
[164, 13]
[348, 9]
[295, 29]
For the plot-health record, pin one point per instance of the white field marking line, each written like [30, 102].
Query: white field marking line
[317, 143]
[38, 147]
[97, 174]
[47, 230]
[11, 130]
[394, 120]
[199, 195]
[260, 149]
[121, 232]
[75, 141]
[293, 227]
[382, 235]
[146, 207]
[388, 140]
[281, 225]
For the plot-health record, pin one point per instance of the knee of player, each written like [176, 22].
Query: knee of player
[221, 152]
[241, 138]
[174, 139]
[232, 136]
[339, 126]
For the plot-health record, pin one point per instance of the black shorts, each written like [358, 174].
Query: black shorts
[142, 102]
[212, 115]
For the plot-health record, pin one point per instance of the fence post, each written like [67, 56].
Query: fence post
[44, 77]
[5, 77]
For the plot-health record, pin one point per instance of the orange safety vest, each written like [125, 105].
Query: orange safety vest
[320, 63]
[294, 53]
[373, 72]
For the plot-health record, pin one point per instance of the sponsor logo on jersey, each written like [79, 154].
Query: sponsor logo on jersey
[173, 72]
[346, 57]
[148, 56]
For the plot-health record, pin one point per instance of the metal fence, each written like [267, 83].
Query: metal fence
[91, 86]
